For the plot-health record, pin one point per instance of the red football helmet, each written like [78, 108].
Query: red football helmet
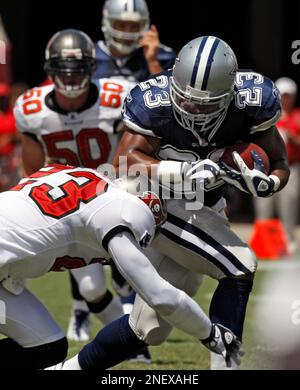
[147, 191]
[157, 206]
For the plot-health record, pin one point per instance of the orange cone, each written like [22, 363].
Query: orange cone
[269, 240]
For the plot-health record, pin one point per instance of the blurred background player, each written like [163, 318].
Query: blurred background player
[132, 50]
[73, 121]
[9, 138]
[5, 56]
[131, 47]
[9, 141]
[285, 204]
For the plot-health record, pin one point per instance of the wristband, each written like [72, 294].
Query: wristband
[276, 182]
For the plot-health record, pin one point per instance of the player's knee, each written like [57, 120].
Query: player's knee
[250, 261]
[157, 336]
[90, 289]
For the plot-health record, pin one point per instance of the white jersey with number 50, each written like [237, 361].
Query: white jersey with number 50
[80, 138]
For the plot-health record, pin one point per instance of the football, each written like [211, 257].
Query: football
[244, 150]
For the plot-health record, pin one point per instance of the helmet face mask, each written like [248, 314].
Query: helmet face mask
[123, 24]
[70, 62]
[71, 86]
[201, 87]
[124, 35]
[198, 114]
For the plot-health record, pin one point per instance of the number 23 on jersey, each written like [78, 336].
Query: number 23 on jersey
[64, 199]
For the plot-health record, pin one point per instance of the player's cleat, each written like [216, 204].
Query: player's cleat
[79, 326]
[143, 356]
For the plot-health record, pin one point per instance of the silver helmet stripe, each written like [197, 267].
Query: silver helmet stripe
[205, 53]
[130, 6]
[197, 61]
[209, 62]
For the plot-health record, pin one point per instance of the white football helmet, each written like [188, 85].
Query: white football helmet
[202, 84]
[127, 11]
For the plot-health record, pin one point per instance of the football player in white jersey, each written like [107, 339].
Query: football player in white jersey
[74, 121]
[63, 217]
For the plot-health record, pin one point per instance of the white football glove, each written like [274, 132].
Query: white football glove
[201, 173]
[223, 342]
[253, 181]
[187, 178]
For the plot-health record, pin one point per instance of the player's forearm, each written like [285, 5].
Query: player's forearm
[137, 161]
[141, 161]
[154, 66]
[33, 156]
[138, 150]
[283, 174]
[272, 143]
[29, 167]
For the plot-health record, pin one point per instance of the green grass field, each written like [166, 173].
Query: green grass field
[180, 351]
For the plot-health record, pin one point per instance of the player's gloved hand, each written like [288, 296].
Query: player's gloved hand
[201, 173]
[187, 177]
[223, 342]
[253, 181]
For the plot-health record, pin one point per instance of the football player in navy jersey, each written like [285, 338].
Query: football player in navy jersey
[132, 48]
[184, 117]
[178, 121]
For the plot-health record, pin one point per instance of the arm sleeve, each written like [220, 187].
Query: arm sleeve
[174, 305]
[135, 116]
[135, 267]
[270, 111]
[122, 212]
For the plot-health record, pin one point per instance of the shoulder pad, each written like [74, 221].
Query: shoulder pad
[125, 212]
[30, 108]
[148, 105]
[259, 97]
